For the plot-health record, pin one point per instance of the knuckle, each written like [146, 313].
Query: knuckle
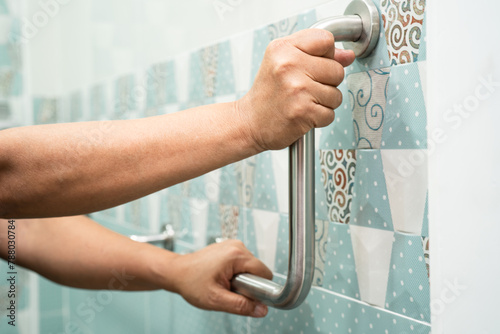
[213, 299]
[241, 306]
[296, 87]
[325, 35]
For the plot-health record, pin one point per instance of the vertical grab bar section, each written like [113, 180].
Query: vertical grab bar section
[359, 30]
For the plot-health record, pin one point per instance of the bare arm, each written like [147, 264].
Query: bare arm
[68, 169]
[78, 252]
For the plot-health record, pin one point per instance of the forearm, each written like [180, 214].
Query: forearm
[69, 169]
[78, 252]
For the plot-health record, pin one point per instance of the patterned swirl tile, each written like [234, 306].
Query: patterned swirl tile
[229, 217]
[337, 170]
[367, 96]
[402, 21]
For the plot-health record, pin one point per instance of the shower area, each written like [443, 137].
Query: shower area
[384, 202]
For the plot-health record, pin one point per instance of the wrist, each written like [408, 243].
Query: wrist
[241, 111]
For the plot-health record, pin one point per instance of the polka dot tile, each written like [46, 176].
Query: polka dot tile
[340, 133]
[264, 190]
[246, 231]
[228, 185]
[340, 269]
[406, 117]
[370, 205]
[281, 262]
[325, 313]
[425, 226]
[321, 244]
[321, 203]
[224, 83]
[264, 35]
[408, 287]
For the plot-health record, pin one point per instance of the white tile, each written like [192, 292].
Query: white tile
[281, 170]
[266, 225]
[372, 254]
[199, 221]
[406, 180]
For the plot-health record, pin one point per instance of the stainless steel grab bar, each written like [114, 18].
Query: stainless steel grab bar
[359, 28]
[167, 236]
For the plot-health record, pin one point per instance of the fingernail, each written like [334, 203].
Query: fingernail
[259, 311]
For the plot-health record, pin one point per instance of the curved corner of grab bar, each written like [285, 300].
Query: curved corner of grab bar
[301, 245]
[359, 27]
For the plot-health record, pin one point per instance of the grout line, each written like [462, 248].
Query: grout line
[363, 303]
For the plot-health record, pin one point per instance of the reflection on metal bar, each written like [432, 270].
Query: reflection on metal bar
[167, 236]
[359, 29]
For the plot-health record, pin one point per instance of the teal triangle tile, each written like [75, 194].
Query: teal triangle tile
[171, 84]
[321, 204]
[246, 231]
[185, 222]
[123, 96]
[228, 186]
[225, 82]
[422, 51]
[307, 19]
[323, 312]
[196, 91]
[76, 107]
[281, 258]
[97, 102]
[370, 205]
[161, 87]
[321, 228]
[340, 133]
[408, 286]
[197, 188]
[425, 225]
[340, 269]
[3, 7]
[213, 226]
[264, 35]
[406, 118]
[5, 56]
[379, 57]
[265, 196]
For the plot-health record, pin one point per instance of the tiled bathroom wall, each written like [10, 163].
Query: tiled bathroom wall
[372, 242]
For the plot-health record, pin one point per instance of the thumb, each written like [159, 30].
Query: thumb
[315, 42]
[234, 303]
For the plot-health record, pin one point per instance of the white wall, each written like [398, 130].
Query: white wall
[151, 30]
[463, 53]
